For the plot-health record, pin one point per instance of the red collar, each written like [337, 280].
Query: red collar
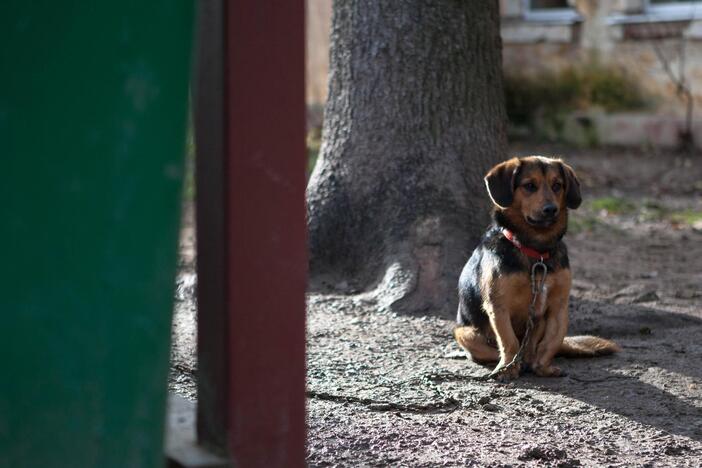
[525, 250]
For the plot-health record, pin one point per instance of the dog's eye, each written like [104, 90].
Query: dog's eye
[557, 187]
[529, 187]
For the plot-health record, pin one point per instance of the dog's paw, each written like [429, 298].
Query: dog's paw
[505, 375]
[549, 371]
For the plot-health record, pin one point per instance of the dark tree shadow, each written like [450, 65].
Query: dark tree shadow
[656, 344]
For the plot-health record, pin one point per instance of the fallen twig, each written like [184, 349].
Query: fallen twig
[448, 405]
[601, 379]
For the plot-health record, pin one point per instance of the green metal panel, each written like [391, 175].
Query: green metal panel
[93, 99]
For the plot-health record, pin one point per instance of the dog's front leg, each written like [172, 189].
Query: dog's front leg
[556, 327]
[507, 341]
[537, 334]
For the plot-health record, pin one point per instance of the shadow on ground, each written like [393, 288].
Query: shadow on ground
[655, 381]
[385, 389]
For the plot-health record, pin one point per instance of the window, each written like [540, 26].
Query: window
[669, 2]
[545, 4]
[550, 10]
[672, 10]
[661, 10]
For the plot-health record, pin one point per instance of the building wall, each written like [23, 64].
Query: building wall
[620, 32]
[318, 26]
[623, 33]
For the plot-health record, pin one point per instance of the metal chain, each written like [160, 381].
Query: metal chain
[537, 289]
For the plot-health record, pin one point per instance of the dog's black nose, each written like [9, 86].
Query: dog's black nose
[549, 210]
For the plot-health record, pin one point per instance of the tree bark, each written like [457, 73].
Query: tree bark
[415, 117]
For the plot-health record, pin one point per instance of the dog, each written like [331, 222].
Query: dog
[531, 197]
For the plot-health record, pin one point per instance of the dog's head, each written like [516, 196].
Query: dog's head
[532, 194]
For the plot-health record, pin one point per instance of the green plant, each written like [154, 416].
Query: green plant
[545, 98]
[613, 205]
[652, 210]
[613, 89]
[687, 217]
[584, 223]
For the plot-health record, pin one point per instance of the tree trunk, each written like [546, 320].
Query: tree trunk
[415, 117]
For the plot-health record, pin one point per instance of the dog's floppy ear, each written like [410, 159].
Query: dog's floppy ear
[573, 197]
[500, 182]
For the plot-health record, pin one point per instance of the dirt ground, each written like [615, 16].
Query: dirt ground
[388, 390]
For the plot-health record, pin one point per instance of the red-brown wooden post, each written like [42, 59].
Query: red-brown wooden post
[251, 212]
[267, 248]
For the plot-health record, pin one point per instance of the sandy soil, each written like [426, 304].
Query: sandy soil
[388, 390]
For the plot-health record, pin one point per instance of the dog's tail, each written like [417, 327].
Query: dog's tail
[587, 346]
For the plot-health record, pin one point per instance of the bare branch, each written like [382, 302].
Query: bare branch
[682, 85]
[665, 63]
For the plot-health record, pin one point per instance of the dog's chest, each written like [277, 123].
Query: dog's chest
[512, 293]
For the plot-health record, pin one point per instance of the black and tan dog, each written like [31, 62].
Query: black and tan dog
[532, 196]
